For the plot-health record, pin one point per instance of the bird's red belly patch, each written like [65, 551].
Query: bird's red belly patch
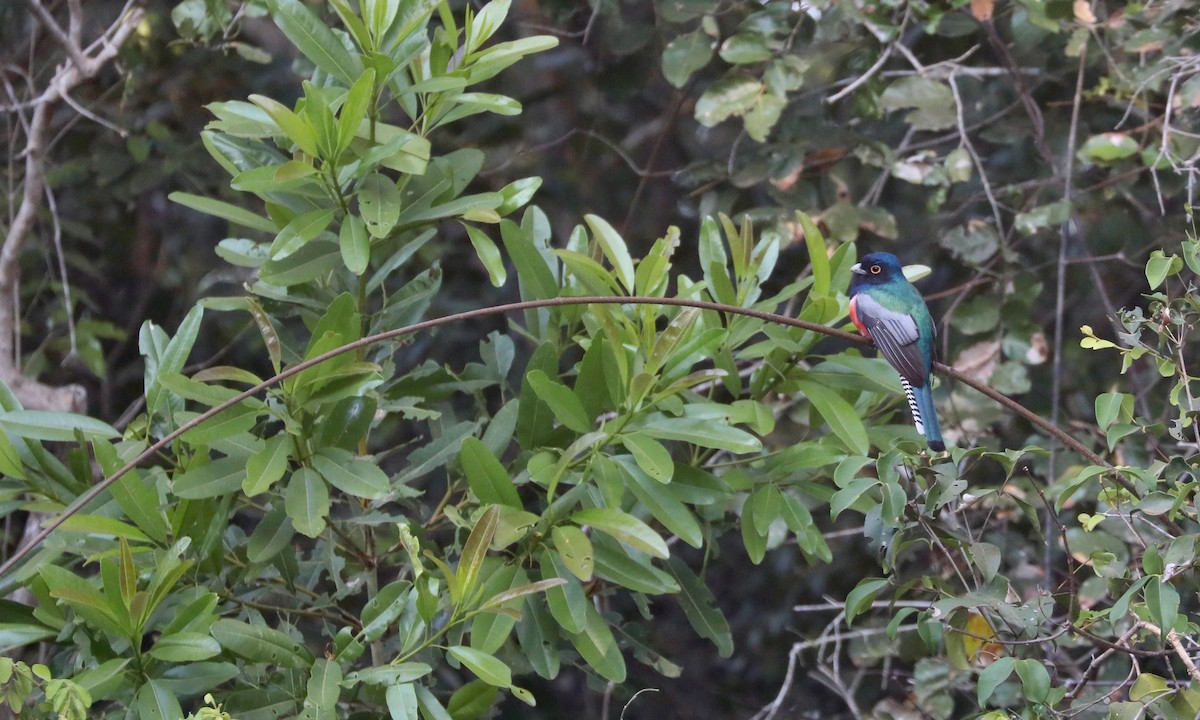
[854, 317]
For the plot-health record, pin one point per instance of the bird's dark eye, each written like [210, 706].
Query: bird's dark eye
[876, 269]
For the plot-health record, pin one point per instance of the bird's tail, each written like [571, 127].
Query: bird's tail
[920, 402]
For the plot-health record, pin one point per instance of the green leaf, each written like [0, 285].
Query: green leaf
[316, 40]
[383, 609]
[155, 701]
[662, 502]
[85, 599]
[598, 647]
[517, 194]
[402, 701]
[17, 635]
[355, 244]
[1107, 148]
[763, 115]
[1035, 680]
[352, 475]
[485, 23]
[753, 540]
[224, 425]
[297, 129]
[685, 55]
[624, 527]
[849, 495]
[615, 564]
[991, 678]
[473, 103]
[185, 647]
[475, 550]
[219, 477]
[1148, 687]
[55, 426]
[438, 452]
[272, 534]
[533, 274]
[567, 601]
[575, 550]
[307, 502]
[466, 207]
[471, 700]
[300, 231]
[390, 674]
[488, 254]
[613, 247]
[861, 597]
[699, 431]
[1160, 266]
[487, 668]
[225, 211]
[521, 591]
[10, 461]
[745, 47]
[1043, 216]
[650, 455]
[102, 526]
[973, 243]
[347, 422]
[987, 557]
[379, 202]
[588, 273]
[492, 60]
[486, 477]
[258, 643]
[700, 607]
[137, 499]
[731, 95]
[539, 639]
[324, 688]
[267, 466]
[1162, 601]
[354, 109]
[818, 255]
[841, 416]
[931, 100]
[565, 405]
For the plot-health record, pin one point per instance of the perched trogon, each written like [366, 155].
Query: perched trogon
[888, 310]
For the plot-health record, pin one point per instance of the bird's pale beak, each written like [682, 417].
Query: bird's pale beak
[856, 268]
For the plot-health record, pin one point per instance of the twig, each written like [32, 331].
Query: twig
[768, 712]
[979, 168]
[1060, 290]
[1173, 639]
[70, 45]
[858, 82]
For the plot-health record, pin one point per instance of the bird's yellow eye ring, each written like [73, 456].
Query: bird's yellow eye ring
[876, 269]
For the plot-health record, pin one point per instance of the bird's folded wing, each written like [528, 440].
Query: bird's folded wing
[895, 334]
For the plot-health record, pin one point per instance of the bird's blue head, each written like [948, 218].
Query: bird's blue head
[875, 268]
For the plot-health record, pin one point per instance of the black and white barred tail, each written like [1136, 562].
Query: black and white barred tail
[920, 404]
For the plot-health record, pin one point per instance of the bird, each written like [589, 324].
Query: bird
[888, 310]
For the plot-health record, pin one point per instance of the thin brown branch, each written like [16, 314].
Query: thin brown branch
[361, 343]
[1177, 646]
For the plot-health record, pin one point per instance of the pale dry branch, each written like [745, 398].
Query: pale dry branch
[1177, 645]
[965, 138]
[81, 65]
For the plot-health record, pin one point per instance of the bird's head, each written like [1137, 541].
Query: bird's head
[877, 268]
